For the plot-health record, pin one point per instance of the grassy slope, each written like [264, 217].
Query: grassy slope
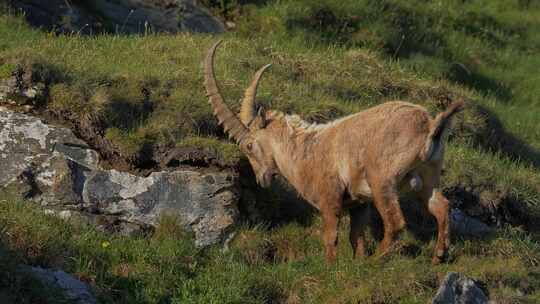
[285, 264]
[325, 65]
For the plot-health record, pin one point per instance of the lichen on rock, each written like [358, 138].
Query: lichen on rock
[51, 166]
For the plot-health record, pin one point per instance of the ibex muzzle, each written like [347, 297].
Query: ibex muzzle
[368, 156]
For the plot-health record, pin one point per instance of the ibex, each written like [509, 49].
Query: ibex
[370, 155]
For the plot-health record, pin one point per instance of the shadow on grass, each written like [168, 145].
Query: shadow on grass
[460, 74]
[497, 138]
[17, 286]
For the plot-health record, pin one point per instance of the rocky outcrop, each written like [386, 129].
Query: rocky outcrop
[465, 226]
[119, 16]
[49, 165]
[73, 290]
[22, 88]
[459, 289]
[206, 203]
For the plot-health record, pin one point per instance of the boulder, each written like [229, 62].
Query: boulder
[463, 225]
[119, 16]
[205, 203]
[74, 290]
[36, 153]
[459, 289]
[51, 166]
[22, 88]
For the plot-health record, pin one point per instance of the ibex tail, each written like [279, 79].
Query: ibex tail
[438, 129]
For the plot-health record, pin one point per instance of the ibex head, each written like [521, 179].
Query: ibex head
[249, 129]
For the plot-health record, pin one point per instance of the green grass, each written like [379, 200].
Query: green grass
[148, 90]
[489, 46]
[18, 286]
[284, 264]
[127, 270]
[330, 58]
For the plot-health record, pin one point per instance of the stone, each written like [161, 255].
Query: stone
[204, 203]
[28, 146]
[20, 89]
[459, 289]
[73, 289]
[119, 16]
[463, 225]
[51, 166]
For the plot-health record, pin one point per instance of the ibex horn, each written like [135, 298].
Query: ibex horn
[247, 111]
[231, 124]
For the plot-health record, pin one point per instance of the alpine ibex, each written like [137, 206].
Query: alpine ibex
[370, 155]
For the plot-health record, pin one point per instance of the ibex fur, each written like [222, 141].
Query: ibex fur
[370, 155]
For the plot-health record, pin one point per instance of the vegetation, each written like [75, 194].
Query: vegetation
[330, 58]
[284, 264]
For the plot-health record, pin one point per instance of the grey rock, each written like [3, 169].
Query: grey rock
[74, 290]
[28, 146]
[205, 203]
[21, 89]
[463, 225]
[60, 181]
[459, 289]
[50, 166]
[119, 16]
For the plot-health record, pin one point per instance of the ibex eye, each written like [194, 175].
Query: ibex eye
[250, 146]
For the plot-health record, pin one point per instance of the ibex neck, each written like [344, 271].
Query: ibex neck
[293, 157]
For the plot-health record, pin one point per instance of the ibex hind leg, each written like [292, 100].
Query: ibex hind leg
[385, 199]
[438, 206]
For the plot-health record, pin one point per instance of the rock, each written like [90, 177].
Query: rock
[495, 208]
[74, 290]
[459, 289]
[464, 225]
[20, 89]
[49, 165]
[32, 149]
[119, 16]
[205, 203]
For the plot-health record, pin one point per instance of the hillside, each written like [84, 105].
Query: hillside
[142, 95]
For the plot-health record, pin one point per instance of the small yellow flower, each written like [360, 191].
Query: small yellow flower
[105, 244]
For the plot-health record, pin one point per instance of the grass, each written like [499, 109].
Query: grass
[488, 46]
[127, 270]
[284, 264]
[330, 58]
[17, 286]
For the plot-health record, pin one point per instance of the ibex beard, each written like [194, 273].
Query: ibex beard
[368, 156]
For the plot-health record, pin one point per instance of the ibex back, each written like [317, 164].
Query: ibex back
[367, 156]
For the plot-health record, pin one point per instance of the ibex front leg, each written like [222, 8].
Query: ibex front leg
[330, 210]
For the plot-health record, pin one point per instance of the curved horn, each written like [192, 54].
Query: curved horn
[231, 124]
[247, 111]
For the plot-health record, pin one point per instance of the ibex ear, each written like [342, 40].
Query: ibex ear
[259, 122]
